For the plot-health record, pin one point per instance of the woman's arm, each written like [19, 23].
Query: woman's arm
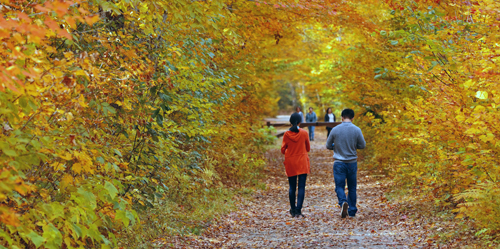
[308, 144]
[284, 145]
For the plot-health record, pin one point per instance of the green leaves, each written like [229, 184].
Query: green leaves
[9, 152]
[86, 198]
[117, 152]
[53, 236]
[36, 239]
[111, 189]
[125, 216]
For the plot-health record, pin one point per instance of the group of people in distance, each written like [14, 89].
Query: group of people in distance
[312, 118]
[344, 139]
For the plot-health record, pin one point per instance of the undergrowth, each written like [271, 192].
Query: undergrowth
[197, 197]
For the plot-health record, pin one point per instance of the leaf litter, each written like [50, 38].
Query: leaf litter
[263, 221]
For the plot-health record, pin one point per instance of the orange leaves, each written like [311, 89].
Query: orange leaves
[23, 17]
[9, 217]
[51, 24]
[19, 34]
[60, 8]
[90, 20]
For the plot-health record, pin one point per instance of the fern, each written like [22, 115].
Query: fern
[482, 205]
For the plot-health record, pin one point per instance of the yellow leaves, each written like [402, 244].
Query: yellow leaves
[77, 168]
[175, 50]
[66, 181]
[43, 193]
[67, 156]
[58, 166]
[22, 188]
[479, 109]
[489, 137]
[481, 95]
[81, 101]
[69, 116]
[68, 55]
[84, 163]
[469, 83]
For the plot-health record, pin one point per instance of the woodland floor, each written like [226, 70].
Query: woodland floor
[263, 221]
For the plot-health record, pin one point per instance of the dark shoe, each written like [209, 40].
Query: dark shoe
[298, 213]
[292, 212]
[343, 212]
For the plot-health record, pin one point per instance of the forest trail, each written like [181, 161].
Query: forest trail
[264, 221]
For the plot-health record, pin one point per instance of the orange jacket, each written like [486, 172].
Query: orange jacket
[295, 147]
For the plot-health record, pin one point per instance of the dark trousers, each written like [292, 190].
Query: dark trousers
[328, 129]
[292, 181]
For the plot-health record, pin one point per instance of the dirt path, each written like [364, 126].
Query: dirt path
[264, 222]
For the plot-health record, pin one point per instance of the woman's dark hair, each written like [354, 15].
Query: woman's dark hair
[295, 119]
[298, 108]
[329, 108]
[348, 113]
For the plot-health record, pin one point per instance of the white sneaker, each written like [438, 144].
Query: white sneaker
[343, 211]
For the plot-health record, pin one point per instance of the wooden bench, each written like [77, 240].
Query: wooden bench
[302, 125]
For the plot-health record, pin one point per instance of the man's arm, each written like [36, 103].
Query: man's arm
[329, 141]
[361, 143]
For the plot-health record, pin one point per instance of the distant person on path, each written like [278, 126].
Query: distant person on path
[299, 111]
[329, 117]
[295, 147]
[344, 139]
[311, 118]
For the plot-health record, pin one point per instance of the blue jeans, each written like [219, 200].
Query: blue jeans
[341, 172]
[292, 181]
[311, 132]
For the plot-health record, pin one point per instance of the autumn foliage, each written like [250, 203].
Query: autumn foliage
[422, 76]
[109, 107]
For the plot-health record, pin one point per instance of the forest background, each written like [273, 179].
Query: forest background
[132, 117]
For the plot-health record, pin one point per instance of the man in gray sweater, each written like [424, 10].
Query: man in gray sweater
[344, 139]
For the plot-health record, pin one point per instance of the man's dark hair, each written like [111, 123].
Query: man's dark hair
[348, 113]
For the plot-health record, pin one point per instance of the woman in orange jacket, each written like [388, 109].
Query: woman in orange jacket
[295, 147]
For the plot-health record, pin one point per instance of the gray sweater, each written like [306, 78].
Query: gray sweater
[347, 137]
